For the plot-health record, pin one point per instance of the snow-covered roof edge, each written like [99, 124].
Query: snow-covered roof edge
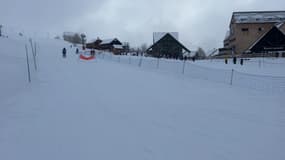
[258, 17]
[158, 35]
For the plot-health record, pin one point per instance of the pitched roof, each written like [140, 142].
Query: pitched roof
[158, 35]
[279, 26]
[266, 34]
[258, 17]
[167, 34]
[107, 41]
[92, 41]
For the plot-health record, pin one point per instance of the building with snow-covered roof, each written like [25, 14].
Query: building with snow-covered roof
[247, 28]
[168, 46]
[158, 35]
[112, 45]
[107, 44]
[94, 44]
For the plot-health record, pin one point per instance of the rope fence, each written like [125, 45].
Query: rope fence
[273, 84]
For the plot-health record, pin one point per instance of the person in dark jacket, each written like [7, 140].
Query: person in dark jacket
[64, 52]
[235, 60]
[241, 61]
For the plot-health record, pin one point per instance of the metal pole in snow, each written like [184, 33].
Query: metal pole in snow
[35, 45]
[183, 69]
[157, 63]
[232, 76]
[28, 64]
[34, 56]
[140, 62]
[32, 47]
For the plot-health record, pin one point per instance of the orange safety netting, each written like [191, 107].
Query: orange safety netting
[87, 58]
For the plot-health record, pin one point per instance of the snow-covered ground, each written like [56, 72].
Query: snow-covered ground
[259, 74]
[260, 66]
[103, 109]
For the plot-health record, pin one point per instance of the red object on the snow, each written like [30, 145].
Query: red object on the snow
[86, 58]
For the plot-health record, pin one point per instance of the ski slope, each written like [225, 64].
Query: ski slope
[105, 110]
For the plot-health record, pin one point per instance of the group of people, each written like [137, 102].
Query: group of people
[64, 52]
[234, 61]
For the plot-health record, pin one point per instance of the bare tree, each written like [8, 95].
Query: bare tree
[143, 47]
[83, 38]
[74, 38]
[200, 54]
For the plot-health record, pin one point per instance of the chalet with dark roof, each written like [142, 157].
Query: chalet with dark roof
[111, 45]
[167, 46]
[247, 29]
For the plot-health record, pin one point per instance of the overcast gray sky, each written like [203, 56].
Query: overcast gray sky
[199, 22]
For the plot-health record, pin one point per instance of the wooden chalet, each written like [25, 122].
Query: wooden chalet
[111, 45]
[168, 47]
[271, 43]
[108, 44]
[94, 44]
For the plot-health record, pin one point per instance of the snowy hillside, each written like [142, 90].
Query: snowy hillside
[104, 109]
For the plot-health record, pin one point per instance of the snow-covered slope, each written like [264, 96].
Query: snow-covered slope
[106, 110]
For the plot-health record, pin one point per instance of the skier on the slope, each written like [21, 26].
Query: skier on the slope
[64, 52]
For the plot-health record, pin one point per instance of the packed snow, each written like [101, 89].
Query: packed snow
[106, 109]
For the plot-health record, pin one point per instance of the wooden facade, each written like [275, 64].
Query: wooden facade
[272, 42]
[111, 45]
[94, 45]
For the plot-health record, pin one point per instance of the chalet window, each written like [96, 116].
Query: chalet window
[260, 29]
[244, 29]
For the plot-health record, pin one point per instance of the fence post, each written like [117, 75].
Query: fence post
[183, 69]
[140, 62]
[35, 45]
[232, 76]
[34, 55]
[157, 63]
[28, 64]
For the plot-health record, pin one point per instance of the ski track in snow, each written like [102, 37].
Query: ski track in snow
[104, 110]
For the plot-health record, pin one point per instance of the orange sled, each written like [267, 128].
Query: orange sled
[86, 58]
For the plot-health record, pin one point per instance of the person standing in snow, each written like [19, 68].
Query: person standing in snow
[64, 52]
[235, 60]
[77, 51]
